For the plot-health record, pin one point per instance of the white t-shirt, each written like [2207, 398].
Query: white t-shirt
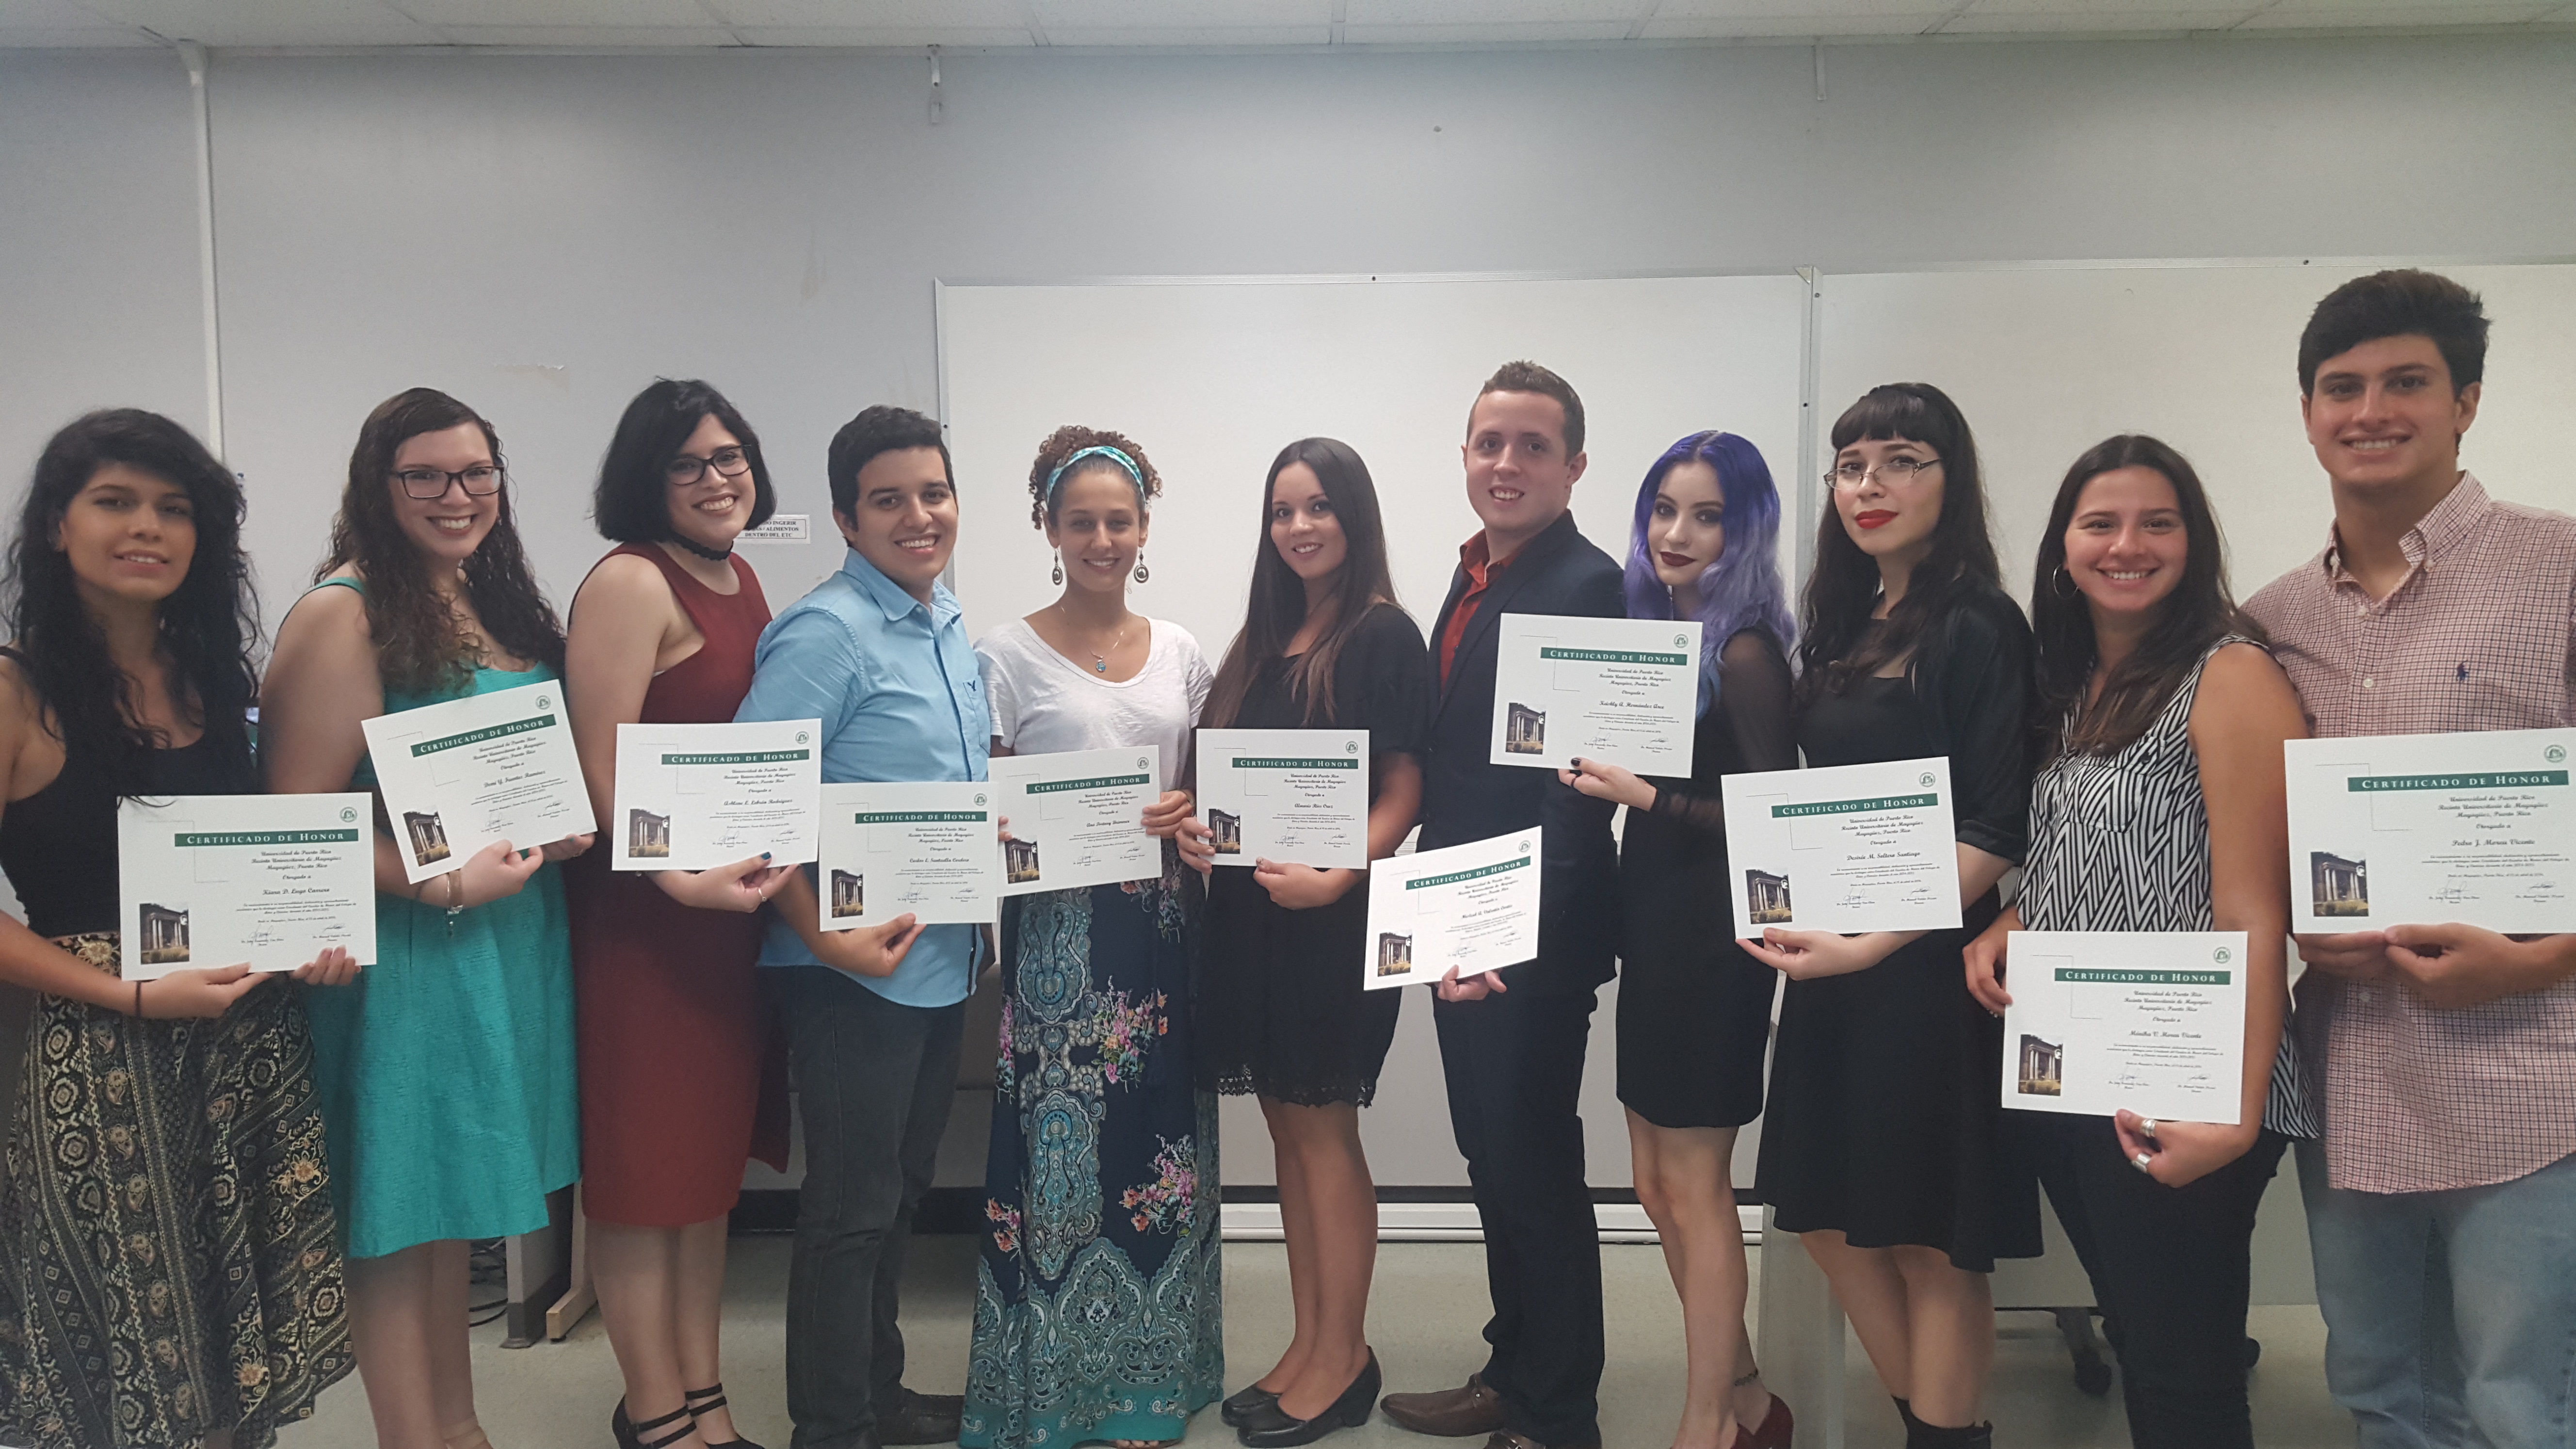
[1044, 703]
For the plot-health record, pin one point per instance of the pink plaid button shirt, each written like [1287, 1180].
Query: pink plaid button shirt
[2480, 635]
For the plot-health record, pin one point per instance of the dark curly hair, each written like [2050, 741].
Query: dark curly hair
[632, 503]
[419, 646]
[209, 625]
[1070, 439]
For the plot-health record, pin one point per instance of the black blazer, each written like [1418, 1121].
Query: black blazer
[1466, 797]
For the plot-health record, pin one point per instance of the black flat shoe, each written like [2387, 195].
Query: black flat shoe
[631, 1435]
[708, 1400]
[1240, 1405]
[1270, 1428]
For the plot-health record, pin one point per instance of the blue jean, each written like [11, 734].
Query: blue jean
[2450, 1316]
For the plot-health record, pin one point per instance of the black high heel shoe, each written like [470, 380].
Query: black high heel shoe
[708, 1400]
[1270, 1427]
[630, 1435]
[1241, 1405]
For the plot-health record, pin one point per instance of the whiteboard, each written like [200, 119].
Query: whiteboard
[1213, 377]
[2048, 361]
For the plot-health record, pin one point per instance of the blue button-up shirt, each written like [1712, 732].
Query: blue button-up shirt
[901, 698]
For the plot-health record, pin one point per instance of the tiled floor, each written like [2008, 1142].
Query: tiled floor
[1428, 1303]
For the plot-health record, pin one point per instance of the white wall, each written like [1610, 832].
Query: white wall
[542, 235]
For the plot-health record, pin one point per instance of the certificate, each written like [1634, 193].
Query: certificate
[1077, 818]
[458, 776]
[1625, 691]
[1472, 906]
[1844, 848]
[218, 880]
[2393, 830]
[696, 796]
[1296, 796]
[920, 850]
[2153, 1021]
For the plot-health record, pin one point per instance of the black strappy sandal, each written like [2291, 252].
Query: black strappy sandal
[705, 1400]
[630, 1435]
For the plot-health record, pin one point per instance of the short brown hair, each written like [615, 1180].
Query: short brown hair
[1530, 377]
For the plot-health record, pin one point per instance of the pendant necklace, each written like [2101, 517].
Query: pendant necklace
[1099, 661]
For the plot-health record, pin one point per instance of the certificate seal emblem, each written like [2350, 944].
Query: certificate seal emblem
[544, 703]
[347, 814]
[802, 737]
[1681, 641]
[1923, 779]
[2555, 754]
[2222, 955]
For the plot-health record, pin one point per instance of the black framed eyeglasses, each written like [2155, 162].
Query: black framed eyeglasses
[480, 481]
[687, 468]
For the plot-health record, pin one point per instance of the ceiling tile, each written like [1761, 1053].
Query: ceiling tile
[1140, 15]
[2360, 13]
[2117, 11]
[1496, 12]
[1755, 27]
[1190, 35]
[553, 12]
[890, 37]
[619, 36]
[857, 15]
[1792, 9]
[1483, 33]
[270, 22]
[2098, 21]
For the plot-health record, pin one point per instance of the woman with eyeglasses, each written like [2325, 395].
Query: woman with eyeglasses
[168, 1274]
[1694, 1014]
[1881, 1148]
[446, 1074]
[679, 1085]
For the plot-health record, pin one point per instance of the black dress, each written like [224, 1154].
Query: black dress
[1694, 1010]
[1884, 1121]
[1281, 1008]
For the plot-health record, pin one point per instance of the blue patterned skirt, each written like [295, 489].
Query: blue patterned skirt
[1098, 1310]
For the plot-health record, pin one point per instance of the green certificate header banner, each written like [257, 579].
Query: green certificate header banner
[1614, 656]
[1855, 807]
[195, 840]
[1269, 762]
[476, 737]
[1482, 870]
[2104, 976]
[2504, 780]
[1102, 782]
[748, 757]
[917, 817]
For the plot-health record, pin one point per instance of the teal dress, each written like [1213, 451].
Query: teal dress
[446, 1071]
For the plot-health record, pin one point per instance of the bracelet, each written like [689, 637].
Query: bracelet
[455, 899]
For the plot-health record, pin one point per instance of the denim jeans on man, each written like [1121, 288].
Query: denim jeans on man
[2451, 1316]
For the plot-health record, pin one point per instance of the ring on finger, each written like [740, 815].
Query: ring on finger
[2147, 1128]
[2142, 1162]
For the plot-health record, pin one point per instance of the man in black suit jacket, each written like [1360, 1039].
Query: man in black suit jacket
[1512, 1041]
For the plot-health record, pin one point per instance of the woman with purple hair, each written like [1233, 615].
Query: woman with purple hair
[1694, 1013]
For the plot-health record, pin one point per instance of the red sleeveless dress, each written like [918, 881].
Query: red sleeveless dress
[682, 1075]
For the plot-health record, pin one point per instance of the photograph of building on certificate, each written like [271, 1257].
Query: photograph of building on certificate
[2338, 886]
[1766, 898]
[1019, 860]
[2043, 1067]
[849, 894]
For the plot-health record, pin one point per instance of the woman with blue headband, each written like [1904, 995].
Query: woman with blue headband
[1694, 1012]
[1097, 1304]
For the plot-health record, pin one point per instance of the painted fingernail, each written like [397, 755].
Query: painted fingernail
[764, 855]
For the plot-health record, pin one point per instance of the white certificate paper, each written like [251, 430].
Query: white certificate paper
[1299, 797]
[697, 796]
[1472, 906]
[217, 880]
[1077, 818]
[920, 850]
[458, 776]
[2153, 1021]
[1621, 690]
[1844, 848]
[2395, 830]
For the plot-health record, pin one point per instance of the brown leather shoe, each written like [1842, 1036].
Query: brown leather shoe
[1451, 1414]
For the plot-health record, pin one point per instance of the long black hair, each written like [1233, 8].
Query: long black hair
[2198, 613]
[1843, 591]
[419, 645]
[208, 626]
[1277, 609]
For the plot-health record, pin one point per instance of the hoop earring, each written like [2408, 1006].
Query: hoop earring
[1142, 573]
[1056, 575]
[2062, 576]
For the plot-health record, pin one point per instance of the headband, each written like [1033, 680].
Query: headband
[1115, 455]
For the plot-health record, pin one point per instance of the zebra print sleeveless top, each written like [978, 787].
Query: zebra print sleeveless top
[2120, 842]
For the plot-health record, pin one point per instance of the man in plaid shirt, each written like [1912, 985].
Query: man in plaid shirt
[2442, 1201]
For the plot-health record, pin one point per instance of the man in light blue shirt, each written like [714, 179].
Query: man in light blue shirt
[879, 654]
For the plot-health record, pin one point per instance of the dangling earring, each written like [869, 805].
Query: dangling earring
[2062, 577]
[1142, 573]
[1056, 576]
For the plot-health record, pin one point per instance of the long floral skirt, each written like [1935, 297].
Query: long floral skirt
[1098, 1310]
[167, 1264]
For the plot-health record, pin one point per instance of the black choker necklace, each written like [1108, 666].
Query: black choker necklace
[712, 555]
